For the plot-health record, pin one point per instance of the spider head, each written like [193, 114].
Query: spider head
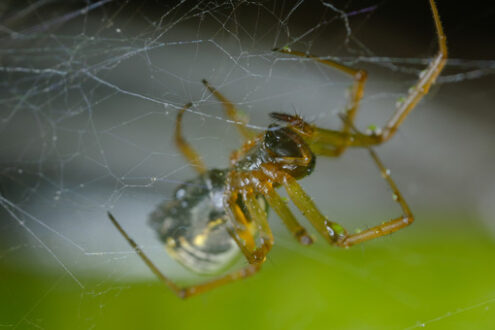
[287, 148]
[295, 121]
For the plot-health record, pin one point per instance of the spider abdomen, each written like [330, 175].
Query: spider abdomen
[193, 225]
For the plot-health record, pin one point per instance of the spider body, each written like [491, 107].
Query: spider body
[224, 211]
[195, 227]
[276, 146]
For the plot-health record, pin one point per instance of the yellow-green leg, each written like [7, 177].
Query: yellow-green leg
[333, 232]
[242, 234]
[262, 184]
[333, 142]
[232, 112]
[356, 94]
[189, 153]
[188, 291]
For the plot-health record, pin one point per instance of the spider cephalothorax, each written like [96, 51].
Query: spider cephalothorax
[222, 212]
[282, 146]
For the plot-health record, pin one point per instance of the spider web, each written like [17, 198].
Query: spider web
[91, 89]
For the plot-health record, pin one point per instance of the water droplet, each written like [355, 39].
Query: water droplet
[118, 30]
[180, 193]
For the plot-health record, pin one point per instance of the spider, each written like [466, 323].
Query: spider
[224, 211]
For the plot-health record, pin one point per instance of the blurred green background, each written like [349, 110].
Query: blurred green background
[439, 277]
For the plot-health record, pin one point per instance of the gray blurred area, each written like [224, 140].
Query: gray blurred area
[89, 97]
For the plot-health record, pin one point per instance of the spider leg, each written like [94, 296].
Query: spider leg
[326, 142]
[260, 219]
[188, 291]
[356, 93]
[241, 233]
[390, 226]
[421, 88]
[333, 142]
[333, 232]
[232, 112]
[215, 283]
[259, 179]
[189, 153]
[280, 207]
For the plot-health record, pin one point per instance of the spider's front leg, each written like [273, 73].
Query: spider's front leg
[333, 232]
[356, 92]
[334, 142]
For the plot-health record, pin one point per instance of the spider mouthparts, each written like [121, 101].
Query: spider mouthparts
[281, 116]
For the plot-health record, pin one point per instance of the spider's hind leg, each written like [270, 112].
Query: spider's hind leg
[188, 291]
